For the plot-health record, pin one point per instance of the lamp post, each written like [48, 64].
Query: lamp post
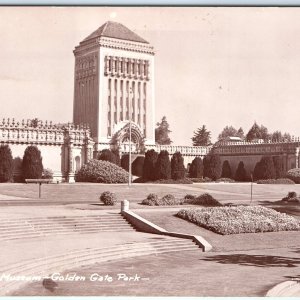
[130, 117]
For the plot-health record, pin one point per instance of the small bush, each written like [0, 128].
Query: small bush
[275, 181]
[294, 174]
[291, 198]
[200, 180]
[108, 198]
[153, 200]
[47, 174]
[239, 219]
[225, 180]
[102, 172]
[204, 199]
[188, 197]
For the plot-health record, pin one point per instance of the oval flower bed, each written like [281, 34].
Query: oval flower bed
[239, 219]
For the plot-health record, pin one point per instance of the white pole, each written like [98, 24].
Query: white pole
[130, 115]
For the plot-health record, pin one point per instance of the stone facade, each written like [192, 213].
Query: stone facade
[64, 148]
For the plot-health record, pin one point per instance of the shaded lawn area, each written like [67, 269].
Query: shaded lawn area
[246, 241]
[189, 273]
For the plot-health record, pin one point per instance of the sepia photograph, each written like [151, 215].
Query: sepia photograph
[149, 151]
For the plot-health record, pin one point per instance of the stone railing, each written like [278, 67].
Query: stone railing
[258, 148]
[38, 132]
[184, 150]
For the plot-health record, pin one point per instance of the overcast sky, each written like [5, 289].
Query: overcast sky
[214, 66]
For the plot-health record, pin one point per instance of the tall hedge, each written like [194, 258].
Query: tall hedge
[163, 165]
[226, 170]
[241, 174]
[6, 164]
[137, 166]
[196, 168]
[177, 166]
[32, 164]
[149, 165]
[265, 169]
[125, 162]
[117, 156]
[279, 166]
[212, 166]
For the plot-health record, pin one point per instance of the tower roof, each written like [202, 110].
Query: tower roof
[117, 31]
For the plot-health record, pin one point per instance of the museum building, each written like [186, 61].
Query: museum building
[114, 86]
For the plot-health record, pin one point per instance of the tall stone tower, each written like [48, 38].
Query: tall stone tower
[114, 83]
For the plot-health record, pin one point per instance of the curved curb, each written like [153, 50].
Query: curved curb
[285, 289]
[144, 225]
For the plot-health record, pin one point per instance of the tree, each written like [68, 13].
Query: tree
[257, 171]
[240, 133]
[162, 132]
[276, 136]
[241, 174]
[34, 122]
[6, 164]
[163, 165]
[278, 166]
[257, 132]
[177, 166]
[201, 137]
[226, 170]
[117, 156]
[149, 165]
[212, 166]
[196, 168]
[228, 131]
[32, 165]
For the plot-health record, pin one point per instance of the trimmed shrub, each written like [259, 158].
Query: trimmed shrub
[201, 180]
[294, 174]
[125, 162]
[276, 181]
[240, 219]
[291, 198]
[177, 166]
[6, 164]
[151, 200]
[278, 166]
[169, 199]
[196, 168]
[108, 198]
[102, 172]
[240, 174]
[163, 165]
[212, 166]
[229, 180]
[137, 166]
[107, 155]
[189, 197]
[204, 200]
[149, 165]
[47, 174]
[267, 170]
[257, 171]
[32, 165]
[226, 170]
[117, 156]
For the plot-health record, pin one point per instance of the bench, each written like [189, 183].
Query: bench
[39, 182]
